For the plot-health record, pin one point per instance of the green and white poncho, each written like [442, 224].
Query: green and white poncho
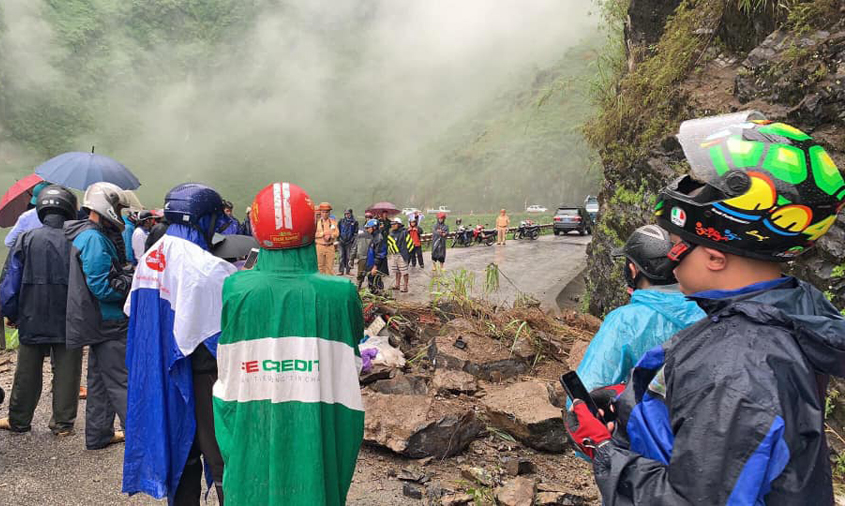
[288, 412]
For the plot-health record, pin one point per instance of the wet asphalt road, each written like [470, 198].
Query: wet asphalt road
[38, 469]
[541, 268]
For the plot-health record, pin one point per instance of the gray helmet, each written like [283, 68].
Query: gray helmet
[107, 200]
[647, 248]
[55, 199]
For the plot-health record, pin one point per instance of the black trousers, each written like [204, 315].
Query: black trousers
[26, 389]
[417, 257]
[189, 491]
[107, 380]
[346, 252]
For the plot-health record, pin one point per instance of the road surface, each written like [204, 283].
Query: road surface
[39, 469]
[540, 268]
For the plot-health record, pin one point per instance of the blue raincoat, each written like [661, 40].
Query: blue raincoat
[174, 306]
[652, 317]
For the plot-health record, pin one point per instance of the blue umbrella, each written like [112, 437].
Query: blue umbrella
[81, 170]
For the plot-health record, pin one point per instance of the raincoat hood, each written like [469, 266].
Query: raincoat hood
[669, 302]
[73, 228]
[288, 261]
[818, 326]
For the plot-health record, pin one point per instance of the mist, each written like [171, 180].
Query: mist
[336, 96]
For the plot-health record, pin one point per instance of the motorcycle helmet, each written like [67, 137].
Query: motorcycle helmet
[371, 223]
[648, 248]
[283, 217]
[54, 199]
[107, 200]
[441, 216]
[324, 206]
[756, 188]
[189, 202]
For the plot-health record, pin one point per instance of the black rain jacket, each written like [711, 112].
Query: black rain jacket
[731, 409]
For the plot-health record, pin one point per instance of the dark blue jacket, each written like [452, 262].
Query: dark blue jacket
[348, 230]
[33, 292]
[731, 409]
[377, 254]
[228, 225]
[97, 286]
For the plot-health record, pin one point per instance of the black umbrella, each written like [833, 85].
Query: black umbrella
[232, 246]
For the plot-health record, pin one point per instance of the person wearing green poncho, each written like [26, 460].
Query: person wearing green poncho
[288, 413]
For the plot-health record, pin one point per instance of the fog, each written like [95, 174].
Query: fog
[336, 96]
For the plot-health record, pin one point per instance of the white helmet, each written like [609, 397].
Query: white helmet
[107, 200]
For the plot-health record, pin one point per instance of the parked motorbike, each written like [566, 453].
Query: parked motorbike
[485, 236]
[463, 237]
[527, 230]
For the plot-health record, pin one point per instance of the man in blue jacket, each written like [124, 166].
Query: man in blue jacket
[731, 409]
[33, 294]
[348, 234]
[657, 311]
[97, 288]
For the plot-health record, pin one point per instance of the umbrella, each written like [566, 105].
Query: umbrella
[386, 207]
[16, 199]
[80, 170]
[232, 246]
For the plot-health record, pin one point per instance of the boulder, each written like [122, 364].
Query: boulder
[402, 384]
[446, 380]
[482, 357]
[517, 492]
[576, 353]
[525, 411]
[559, 499]
[517, 466]
[412, 491]
[478, 475]
[460, 499]
[419, 426]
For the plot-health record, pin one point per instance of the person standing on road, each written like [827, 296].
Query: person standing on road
[400, 246]
[362, 247]
[288, 410]
[348, 235]
[97, 287]
[246, 225]
[229, 225]
[33, 294]
[503, 221]
[415, 231]
[327, 234]
[376, 258]
[174, 311]
[145, 222]
[438, 242]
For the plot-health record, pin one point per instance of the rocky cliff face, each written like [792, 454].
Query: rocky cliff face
[711, 57]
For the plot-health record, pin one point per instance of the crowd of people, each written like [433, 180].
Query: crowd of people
[710, 384]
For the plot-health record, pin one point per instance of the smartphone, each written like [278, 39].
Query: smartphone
[251, 259]
[575, 389]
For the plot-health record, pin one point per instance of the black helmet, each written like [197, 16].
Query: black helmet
[55, 199]
[647, 248]
[756, 188]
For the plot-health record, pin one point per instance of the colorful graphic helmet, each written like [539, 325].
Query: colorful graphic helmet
[54, 199]
[189, 202]
[756, 188]
[283, 217]
[647, 248]
[107, 200]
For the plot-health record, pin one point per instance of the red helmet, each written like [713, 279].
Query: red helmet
[441, 216]
[283, 217]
